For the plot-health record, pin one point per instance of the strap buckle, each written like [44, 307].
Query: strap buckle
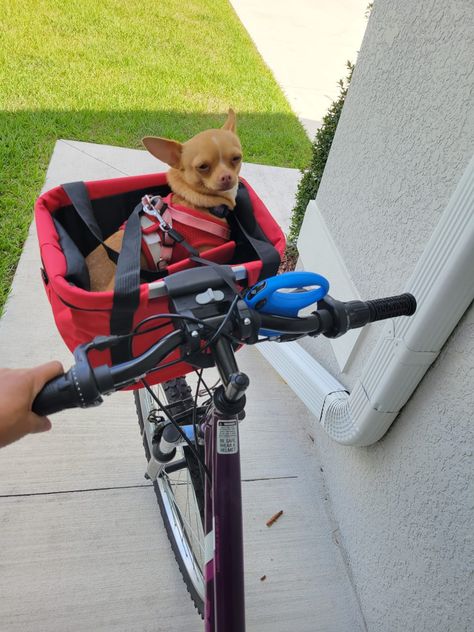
[153, 205]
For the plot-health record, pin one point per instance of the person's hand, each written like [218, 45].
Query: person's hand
[18, 389]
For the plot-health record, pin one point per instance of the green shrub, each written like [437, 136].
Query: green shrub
[309, 183]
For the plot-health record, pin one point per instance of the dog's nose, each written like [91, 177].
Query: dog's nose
[225, 178]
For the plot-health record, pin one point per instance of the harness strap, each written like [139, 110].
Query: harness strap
[157, 254]
[201, 224]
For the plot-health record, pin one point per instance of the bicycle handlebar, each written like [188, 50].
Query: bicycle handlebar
[83, 386]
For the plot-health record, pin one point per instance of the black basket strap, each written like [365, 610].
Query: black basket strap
[127, 285]
[264, 249]
[266, 252]
[79, 196]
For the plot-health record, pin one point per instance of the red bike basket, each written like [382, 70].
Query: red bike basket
[65, 239]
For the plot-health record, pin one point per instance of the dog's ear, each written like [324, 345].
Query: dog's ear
[168, 151]
[230, 124]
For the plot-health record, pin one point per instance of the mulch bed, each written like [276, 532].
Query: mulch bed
[288, 260]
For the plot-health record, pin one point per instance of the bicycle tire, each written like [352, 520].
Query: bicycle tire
[180, 493]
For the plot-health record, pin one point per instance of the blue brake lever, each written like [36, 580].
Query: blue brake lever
[266, 298]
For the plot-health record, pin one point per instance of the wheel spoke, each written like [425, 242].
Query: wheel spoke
[189, 513]
[176, 492]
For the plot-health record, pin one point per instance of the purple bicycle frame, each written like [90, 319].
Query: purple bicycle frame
[224, 608]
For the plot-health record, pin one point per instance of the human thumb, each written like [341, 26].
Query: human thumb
[39, 424]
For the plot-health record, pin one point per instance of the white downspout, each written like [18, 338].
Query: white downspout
[443, 284]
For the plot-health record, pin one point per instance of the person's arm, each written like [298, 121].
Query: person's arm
[18, 389]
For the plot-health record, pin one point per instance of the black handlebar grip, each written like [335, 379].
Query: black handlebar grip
[391, 307]
[354, 314]
[57, 394]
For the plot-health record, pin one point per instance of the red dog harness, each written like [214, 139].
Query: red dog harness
[161, 220]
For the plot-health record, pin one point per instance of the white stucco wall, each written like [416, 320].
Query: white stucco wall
[404, 505]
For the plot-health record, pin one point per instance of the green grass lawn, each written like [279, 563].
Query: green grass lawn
[111, 71]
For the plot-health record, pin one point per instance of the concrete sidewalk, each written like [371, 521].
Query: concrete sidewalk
[82, 546]
[306, 44]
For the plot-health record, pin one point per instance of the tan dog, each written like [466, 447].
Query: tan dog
[204, 174]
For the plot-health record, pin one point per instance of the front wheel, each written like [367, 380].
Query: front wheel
[178, 486]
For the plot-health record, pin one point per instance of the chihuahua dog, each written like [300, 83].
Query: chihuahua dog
[204, 176]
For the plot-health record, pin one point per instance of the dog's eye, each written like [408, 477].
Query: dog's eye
[236, 159]
[203, 167]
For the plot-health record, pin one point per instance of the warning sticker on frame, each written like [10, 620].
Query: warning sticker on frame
[227, 437]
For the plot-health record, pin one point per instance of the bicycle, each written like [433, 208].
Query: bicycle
[192, 447]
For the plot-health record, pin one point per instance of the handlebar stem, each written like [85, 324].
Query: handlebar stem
[225, 359]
